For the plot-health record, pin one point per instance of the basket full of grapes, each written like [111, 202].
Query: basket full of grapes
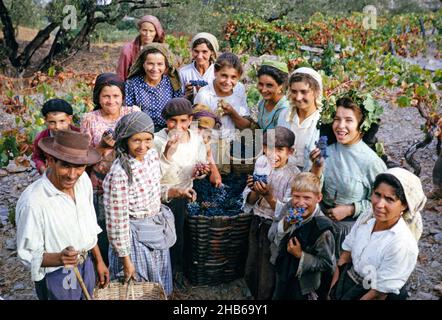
[216, 236]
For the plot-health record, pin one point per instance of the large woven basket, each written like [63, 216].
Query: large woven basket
[131, 291]
[216, 248]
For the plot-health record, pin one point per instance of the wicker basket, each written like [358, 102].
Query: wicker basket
[131, 291]
[216, 248]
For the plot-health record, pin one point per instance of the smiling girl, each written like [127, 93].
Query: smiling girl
[349, 171]
[305, 95]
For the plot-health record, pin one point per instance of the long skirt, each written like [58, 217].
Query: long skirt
[259, 273]
[150, 265]
[62, 284]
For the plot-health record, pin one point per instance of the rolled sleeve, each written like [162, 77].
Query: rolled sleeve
[30, 240]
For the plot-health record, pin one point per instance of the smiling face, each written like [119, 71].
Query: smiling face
[180, 123]
[201, 55]
[278, 156]
[269, 89]
[64, 175]
[302, 96]
[387, 208]
[225, 80]
[147, 33]
[139, 144]
[154, 67]
[307, 200]
[111, 100]
[346, 126]
[57, 121]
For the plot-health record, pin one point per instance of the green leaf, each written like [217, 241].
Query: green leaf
[421, 91]
[51, 71]
[403, 101]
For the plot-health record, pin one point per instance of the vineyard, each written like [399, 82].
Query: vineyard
[381, 67]
[350, 58]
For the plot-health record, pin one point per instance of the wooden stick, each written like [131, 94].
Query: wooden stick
[82, 285]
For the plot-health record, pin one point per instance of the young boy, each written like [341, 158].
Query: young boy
[303, 244]
[181, 150]
[58, 116]
[277, 171]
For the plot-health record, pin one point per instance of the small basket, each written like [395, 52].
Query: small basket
[131, 291]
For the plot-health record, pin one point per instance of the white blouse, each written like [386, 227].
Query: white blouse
[387, 257]
[306, 134]
[49, 220]
[238, 100]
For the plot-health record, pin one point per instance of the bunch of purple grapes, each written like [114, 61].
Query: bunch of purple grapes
[295, 216]
[211, 201]
[260, 178]
[199, 169]
[322, 146]
[198, 83]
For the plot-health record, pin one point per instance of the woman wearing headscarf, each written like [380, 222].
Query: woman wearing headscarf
[305, 96]
[150, 30]
[272, 82]
[108, 97]
[140, 229]
[381, 250]
[204, 48]
[153, 81]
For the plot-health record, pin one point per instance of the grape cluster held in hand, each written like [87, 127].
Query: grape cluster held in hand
[198, 83]
[295, 216]
[322, 146]
[260, 177]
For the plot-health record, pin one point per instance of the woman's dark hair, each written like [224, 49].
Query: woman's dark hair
[279, 76]
[348, 103]
[199, 41]
[393, 182]
[228, 59]
[106, 80]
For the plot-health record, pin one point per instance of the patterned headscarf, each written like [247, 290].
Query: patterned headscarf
[129, 125]
[138, 67]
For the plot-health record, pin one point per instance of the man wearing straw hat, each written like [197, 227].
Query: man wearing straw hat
[56, 222]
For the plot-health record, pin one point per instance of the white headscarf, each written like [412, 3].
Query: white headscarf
[315, 75]
[415, 196]
[209, 37]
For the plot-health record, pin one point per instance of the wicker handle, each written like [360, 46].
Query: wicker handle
[130, 289]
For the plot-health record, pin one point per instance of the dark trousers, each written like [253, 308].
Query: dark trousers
[62, 284]
[178, 207]
[103, 241]
[259, 273]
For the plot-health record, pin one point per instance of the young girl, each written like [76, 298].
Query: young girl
[140, 229]
[229, 104]
[305, 95]
[153, 81]
[272, 80]
[349, 170]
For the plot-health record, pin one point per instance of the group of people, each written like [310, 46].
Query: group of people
[114, 191]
